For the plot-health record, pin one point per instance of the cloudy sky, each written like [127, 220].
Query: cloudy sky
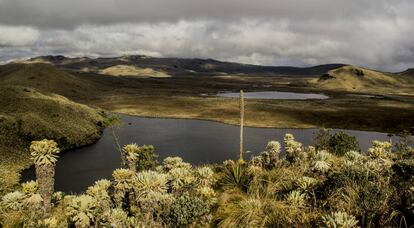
[372, 33]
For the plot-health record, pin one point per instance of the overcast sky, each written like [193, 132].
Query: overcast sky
[372, 33]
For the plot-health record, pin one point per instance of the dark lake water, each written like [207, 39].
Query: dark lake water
[194, 140]
[275, 95]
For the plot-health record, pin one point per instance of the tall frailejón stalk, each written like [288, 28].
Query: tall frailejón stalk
[114, 123]
[241, 124]
[44, 155]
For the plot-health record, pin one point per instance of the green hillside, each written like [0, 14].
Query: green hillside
[357, 79]
[30, 110]
[45, 78]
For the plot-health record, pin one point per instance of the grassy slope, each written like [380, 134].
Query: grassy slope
[356, 79]
[46, 78]
[28, 114]
[125, 70]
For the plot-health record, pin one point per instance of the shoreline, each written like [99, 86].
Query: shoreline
[245, 125]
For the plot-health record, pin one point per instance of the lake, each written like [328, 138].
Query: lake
[274, 95]
[196, 141]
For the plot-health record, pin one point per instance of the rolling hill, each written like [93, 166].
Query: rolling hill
[32, 108]
[358, 79]
[27, 114]
[408, 73]
[45, 78]
[128, 70]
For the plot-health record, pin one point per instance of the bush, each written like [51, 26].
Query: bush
[322, 139]
[340, 219]
[236, 176]
[185, 210]
[404, 168]
[147, 159]
[242, 212]
[405, 144]
[340, 143]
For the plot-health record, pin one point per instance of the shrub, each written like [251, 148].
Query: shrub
[44, 152]
[44, 155]
[273, 149]
[340, 143]
[296, 198]
[130, 153]
[339, 219]
[185, 210]
[205, 176]
[82, 210]
[292, 148]
[306, 184]
[405, 144]
[150, 181]
[245, 212]
[175, 162]
[322, 162]
[404, 168]
[154, 203]
[30, 187]
[360, 191]
[124, 183]
[206, 193]
[99, 191]
[236, 176]
[13, 201]
[147, 159]
[117, 218]
[268, 158]
[180, 178]
[379, 149]
[354, 156]
[280, 214]
[322, 139]
[410, 200]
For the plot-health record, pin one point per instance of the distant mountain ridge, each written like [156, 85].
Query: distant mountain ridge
[181, 66]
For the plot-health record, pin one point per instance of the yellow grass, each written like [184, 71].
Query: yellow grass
[349, 78]
[127, 70]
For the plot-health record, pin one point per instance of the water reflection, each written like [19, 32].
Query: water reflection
[275, 95]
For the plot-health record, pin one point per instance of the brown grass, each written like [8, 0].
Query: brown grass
[335, 113]
[127, 70]
[357, 79]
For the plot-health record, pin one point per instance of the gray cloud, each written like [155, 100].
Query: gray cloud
[375, 34]
[17, 35]
[58, 14]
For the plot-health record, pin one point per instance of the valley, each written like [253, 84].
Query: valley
[74, 93]
[69, 101]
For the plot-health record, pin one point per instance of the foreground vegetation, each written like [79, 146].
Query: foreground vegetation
[326, 185]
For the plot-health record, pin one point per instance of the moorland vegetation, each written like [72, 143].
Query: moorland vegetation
[329, 184]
